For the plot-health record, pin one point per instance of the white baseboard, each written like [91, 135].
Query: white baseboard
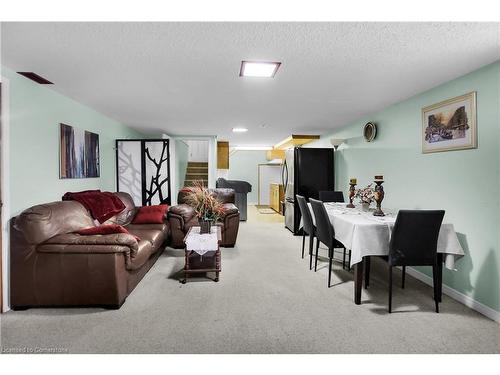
[460, 297]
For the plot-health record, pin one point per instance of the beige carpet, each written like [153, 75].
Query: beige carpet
[255, 216]
[266, 302]
[265, 210]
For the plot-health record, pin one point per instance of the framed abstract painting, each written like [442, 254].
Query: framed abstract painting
[450, 125]
[79, 153]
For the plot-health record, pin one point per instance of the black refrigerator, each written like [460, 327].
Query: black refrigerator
[305, 171]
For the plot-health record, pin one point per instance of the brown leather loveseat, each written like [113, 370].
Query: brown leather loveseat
[52, 266]
[182, 217]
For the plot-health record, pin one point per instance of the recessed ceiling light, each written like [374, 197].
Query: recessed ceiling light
[264, 69]
[240, 130]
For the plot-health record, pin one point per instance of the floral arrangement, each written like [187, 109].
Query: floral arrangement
[365, 195]
[207, 207]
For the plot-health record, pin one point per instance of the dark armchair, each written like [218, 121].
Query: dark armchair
[182, 217]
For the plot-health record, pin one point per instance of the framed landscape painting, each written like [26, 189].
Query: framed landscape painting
[79, 153]
[450, 125]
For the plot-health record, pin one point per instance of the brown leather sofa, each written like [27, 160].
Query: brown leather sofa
[182, 217]
[52, 266]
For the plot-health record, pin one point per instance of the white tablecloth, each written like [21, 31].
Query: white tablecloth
[202, 243]
[365, 234]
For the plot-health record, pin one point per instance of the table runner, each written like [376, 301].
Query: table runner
[202, 243]
[365, 234]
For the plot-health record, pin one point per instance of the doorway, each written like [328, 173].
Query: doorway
[196, 168]
[269, 178]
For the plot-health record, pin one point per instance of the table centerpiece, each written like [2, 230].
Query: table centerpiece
[208, 209]
[365, 196]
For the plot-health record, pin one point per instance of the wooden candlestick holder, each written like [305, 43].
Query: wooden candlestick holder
[351, 195]
[379, 197]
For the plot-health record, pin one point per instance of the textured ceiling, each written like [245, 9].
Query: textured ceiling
[182, 78]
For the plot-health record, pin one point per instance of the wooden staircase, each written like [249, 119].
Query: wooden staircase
[196, 171]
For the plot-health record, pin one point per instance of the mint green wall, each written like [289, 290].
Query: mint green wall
[181, 159]
[35, 114]
[464, 183]
[243, 165]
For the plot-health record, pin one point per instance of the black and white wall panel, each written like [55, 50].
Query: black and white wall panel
[143, 170]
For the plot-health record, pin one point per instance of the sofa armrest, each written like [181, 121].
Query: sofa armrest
[184, 211]
[229, 208]
[231, 226]
[71, 241]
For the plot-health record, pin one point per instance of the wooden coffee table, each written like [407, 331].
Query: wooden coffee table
[208, 262]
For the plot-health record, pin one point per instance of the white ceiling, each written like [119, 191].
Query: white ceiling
[182, 78]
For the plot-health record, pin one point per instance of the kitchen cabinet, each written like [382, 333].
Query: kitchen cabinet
[276, 196]
[222, 155]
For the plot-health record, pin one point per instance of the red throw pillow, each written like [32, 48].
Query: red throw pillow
[151, 214]
[105, 229]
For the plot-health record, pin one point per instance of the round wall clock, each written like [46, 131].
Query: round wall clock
[369, 131]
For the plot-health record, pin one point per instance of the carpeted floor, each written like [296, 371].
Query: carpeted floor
[267, 301]
[265, 210]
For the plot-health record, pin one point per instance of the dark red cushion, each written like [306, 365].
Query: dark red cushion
[105, 229]
[151, 214]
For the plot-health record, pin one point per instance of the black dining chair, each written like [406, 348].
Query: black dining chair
[325, 234]
[331, 196]
[307, 227]
[414, 243]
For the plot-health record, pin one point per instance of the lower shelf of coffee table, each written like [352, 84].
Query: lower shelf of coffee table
[209, 264]
[188, 272]
[200, 270]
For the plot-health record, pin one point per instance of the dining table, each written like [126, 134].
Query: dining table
[366, 235]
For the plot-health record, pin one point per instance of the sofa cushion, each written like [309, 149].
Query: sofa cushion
[151, 214]
[154, 236]
[159, 227]
[104, 229]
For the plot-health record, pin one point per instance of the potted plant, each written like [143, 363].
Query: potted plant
[365, 196]
[208, 209]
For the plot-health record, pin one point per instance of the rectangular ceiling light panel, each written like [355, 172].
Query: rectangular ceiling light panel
[240, 130]
[259, 69]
